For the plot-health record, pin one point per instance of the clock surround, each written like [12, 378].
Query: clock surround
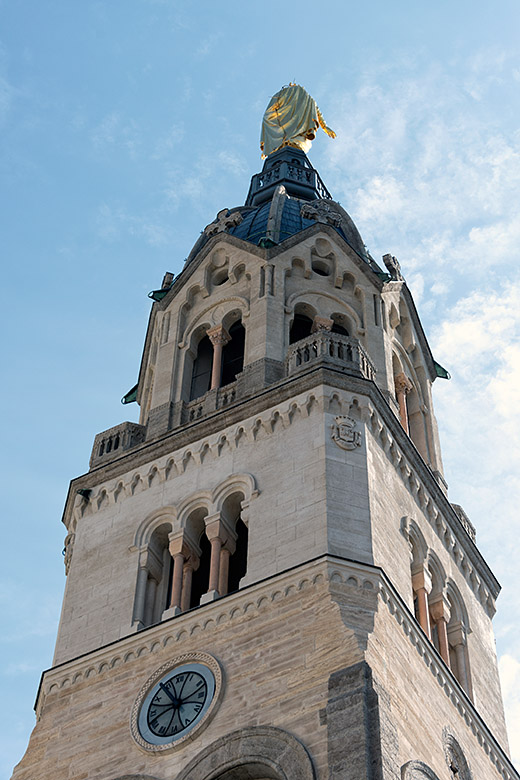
[176, 702]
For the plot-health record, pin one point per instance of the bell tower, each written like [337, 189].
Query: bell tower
[265, 575]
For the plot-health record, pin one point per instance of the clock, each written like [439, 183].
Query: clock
[176, 701]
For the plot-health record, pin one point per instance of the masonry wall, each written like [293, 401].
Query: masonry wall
[283, 450]
[310, 655]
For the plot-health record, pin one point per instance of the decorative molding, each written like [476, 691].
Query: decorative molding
[416, 770]
[257, 746]
[344, 433]
[213, 447]
[322, 211]
[224, 221]
[455, 758]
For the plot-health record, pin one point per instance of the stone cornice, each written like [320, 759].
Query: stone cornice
[327, 569]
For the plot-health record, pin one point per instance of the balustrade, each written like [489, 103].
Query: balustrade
[332, 348]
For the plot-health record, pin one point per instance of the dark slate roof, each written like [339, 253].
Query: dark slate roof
[302, 185]
[254, 225]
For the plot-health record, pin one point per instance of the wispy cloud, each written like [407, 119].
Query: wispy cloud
[510, 676]
[426, 173]
[115, 130]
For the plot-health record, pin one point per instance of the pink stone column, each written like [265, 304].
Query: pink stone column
[223, 580]
[440, 612]
[218, 337]
[186, 585]
[402, 388]
[178, 564]
[422, 585]
[214, 567]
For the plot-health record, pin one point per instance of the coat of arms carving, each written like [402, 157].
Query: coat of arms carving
[344, 433]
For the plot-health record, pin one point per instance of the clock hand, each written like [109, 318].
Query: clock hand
[167, 692]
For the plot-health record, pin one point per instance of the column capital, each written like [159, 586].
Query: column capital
[180, 543]
[216, 527]
[320, 324]
[218, 335]
[457, 634]
[402, 383]
[421, 579]
[439, 608]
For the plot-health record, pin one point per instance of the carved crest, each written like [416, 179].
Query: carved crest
[224, 222]
[321, 212]
[344, 433]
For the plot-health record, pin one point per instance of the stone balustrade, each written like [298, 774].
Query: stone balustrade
[110, 444]
[333, 349]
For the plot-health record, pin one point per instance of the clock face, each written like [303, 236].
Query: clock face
[176, 703]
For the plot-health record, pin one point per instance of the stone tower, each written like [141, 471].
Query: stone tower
[266, 578]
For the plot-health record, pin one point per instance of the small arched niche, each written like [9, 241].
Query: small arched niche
[321, 266]
[301, 325]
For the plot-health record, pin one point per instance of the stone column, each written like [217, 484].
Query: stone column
[440, 612]
[457, 640]
[191, 565]
[140, 595]
[180, 551]
[219, 535]
[218, 337]
[178, 563]
[402, 388]
[225, 554]
[151, 590]
[422, 585]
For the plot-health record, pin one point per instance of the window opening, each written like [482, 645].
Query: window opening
[233, 354]
[300, 328]
[339, 329]
[238, 561]
[201, 375]
[200, 581]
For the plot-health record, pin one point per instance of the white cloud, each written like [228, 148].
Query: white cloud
[510, 677]
[416, 160]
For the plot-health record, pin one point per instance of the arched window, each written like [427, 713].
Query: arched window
[457, 631]
[201, 373]
[301, 328]
[236, 543]
[154, 579]
[233, 354]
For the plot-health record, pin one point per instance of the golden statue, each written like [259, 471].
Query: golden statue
[291, 119]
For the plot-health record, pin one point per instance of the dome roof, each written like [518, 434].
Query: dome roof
[285, 198]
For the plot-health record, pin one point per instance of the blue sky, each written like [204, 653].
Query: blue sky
[127, 125]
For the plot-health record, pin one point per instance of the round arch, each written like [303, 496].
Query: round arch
[259, 753]
[416, 770]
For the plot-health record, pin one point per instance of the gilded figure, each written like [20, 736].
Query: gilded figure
[291, 119]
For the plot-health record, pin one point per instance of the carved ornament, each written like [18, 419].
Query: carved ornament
[344, 433]
[225, 221]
